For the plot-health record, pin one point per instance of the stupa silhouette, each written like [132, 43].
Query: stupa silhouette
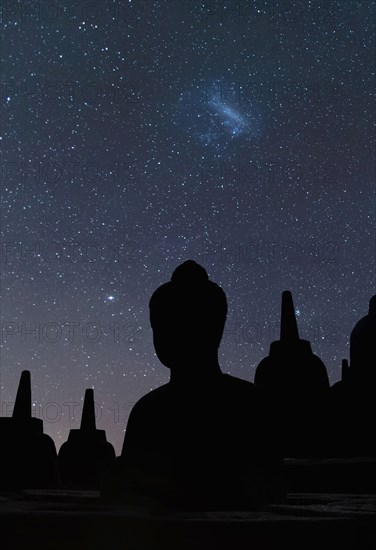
[298, 386]
[87, 454]
[352, 398]
[363, 344]
[28, 458]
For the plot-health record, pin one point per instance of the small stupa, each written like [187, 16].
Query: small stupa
[86, 455]
[29, 456]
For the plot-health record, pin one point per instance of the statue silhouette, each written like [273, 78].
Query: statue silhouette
[202, 440]
[298, 385]
[28, 458]
[85, 457]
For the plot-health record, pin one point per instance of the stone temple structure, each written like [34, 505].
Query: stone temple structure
[28, 456]
[86, 456]
[353, 397]
[363, 345]
[297, 384]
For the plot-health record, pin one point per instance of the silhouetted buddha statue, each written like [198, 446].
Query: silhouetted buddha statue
[28, 456]
[202, 440]
[297, 383]
[87, 454]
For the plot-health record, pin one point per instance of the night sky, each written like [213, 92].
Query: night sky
[136, 135]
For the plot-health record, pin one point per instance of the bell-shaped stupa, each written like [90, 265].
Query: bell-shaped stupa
[291, 371]
[363, 344]
[29, 456]
[87, 454]
[352, 398]
[295, 380]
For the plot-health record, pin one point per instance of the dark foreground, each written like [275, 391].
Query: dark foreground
[331, 504]
[77, 519]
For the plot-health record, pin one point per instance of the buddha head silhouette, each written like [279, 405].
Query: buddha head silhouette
[187, 316]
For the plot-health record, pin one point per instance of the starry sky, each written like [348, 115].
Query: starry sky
[136, 135]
